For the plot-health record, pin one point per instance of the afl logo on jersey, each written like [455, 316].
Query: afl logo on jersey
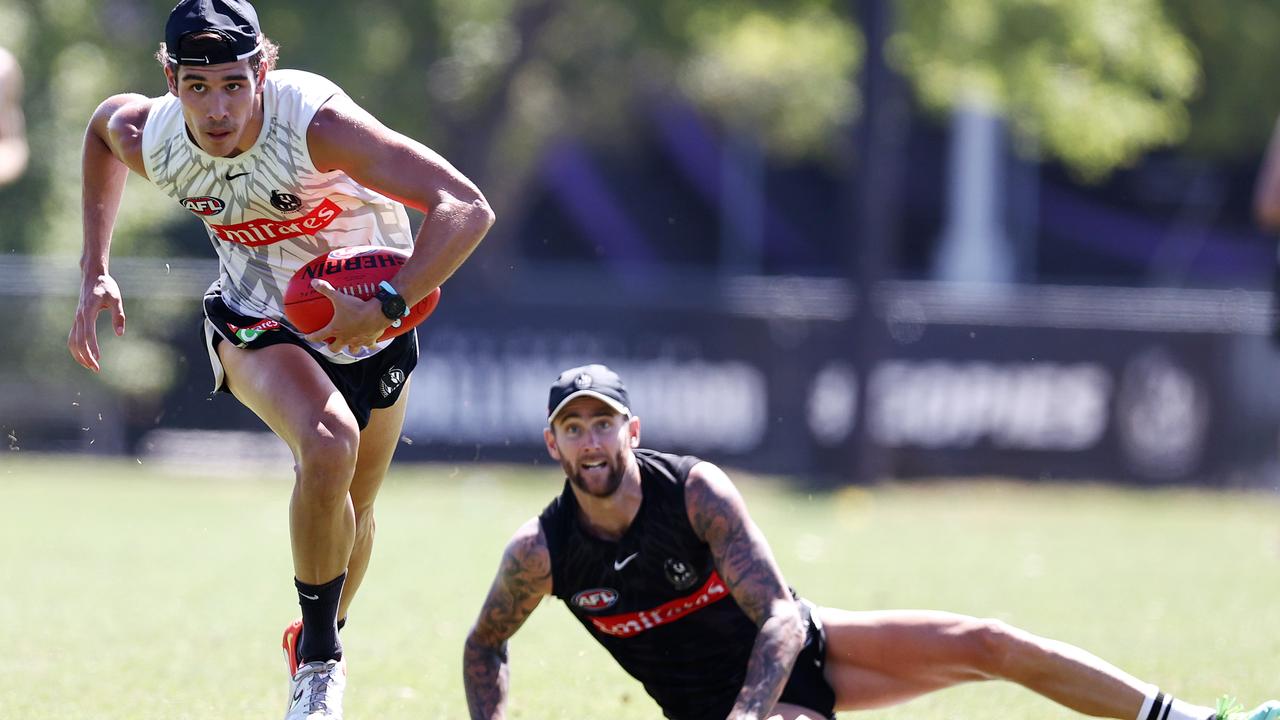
[204, 205]
[595, 599]
[284, 202]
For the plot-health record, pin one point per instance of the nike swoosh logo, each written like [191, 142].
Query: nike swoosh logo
[619, 564]
[309, 597]
[229, 176]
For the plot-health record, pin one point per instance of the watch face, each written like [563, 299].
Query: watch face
[392, 305]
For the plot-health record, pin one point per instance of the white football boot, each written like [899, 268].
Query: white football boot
[315, 691]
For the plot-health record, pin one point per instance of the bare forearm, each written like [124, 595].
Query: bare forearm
[101, 192]
[451, 232]
[484, 677]
[779, 642]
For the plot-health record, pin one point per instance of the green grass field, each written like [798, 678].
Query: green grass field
[138, 591]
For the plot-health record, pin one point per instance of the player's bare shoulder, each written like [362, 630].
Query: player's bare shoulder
[342, 134]
[526, 563]
[712, 500]
[337, 114]
[523, 579]
[119, 121]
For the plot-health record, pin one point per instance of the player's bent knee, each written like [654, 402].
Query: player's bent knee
[321, 451]
[326, 465]
[989, 643]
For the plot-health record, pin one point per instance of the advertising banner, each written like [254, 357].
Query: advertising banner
[991, 389]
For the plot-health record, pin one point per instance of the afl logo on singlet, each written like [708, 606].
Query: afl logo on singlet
[596, 599]
[204, 205]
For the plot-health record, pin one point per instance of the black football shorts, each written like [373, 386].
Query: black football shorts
[368, 384]
[807, 686]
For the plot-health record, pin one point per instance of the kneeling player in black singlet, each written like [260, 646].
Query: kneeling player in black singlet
[657, 557]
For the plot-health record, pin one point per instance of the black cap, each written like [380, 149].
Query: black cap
[596, 381]
[235, 20]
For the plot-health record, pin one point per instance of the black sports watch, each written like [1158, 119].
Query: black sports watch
[393, 304]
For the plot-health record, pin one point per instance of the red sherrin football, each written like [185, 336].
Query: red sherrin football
[354, 271]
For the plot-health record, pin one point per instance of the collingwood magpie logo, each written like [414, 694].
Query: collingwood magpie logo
[284, 202]
[679, 574]
[391, 380]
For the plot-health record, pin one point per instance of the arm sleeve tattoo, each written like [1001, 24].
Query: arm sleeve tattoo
[743, 558]
[523, 578]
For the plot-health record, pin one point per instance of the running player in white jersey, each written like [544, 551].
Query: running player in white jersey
[282, 166]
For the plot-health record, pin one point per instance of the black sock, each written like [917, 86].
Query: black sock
[319, 617]
[297, 649]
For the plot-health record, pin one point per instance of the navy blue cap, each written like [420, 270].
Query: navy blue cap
[234, 20]
[596, 381]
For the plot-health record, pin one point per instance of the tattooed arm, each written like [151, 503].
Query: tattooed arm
[745, 562]
[524, 577]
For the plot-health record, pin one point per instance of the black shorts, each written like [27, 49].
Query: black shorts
[368, 384]
[807, 686]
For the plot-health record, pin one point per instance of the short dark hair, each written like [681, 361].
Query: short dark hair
[196, 43]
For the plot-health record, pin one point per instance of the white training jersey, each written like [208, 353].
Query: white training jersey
[269, 210]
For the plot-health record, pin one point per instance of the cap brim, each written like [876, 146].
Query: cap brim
[611, 402]
[205, 60]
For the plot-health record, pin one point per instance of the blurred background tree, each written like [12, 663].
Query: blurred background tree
[1093, 84]
[1234, 113]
